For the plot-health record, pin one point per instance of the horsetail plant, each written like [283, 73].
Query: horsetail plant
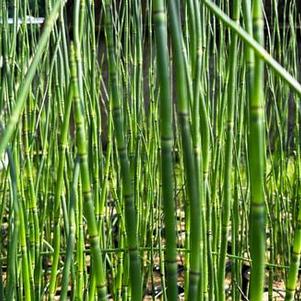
[160, 20]
[71, 236]
[189, 160]
[85, 178]
[59, 187]
[227, 188]
[125, 168]
[295, 262]
[23, 89]
[141, 152]
[257, 163]
[255, 45]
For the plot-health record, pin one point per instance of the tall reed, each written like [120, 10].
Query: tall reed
[125, 168]
[167, 166]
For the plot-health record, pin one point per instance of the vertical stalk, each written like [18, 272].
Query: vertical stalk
[295, 262]
[15, 220]
[58, 191]
[125, 168]
[71, 237]
[190, 167]
[227, 188]
[257, 163]
[81, 143]
[166, 147]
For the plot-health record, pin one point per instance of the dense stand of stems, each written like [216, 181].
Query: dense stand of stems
[24, 88]
[106, 192]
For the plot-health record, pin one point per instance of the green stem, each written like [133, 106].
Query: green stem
[167, 166]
